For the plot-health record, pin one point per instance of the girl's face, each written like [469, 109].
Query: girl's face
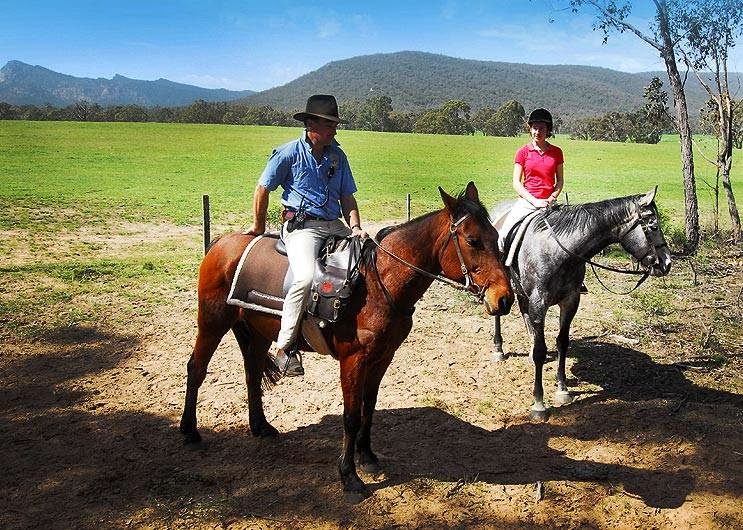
[539, 131]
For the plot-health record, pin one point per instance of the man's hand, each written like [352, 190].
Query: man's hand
[357, 231]
[257, 229]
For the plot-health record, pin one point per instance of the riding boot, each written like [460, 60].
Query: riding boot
[289, 362]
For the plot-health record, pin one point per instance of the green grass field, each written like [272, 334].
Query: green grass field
[71, 174]
[81, 241]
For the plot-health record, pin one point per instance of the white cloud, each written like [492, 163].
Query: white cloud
[210, 81]
[327, 28]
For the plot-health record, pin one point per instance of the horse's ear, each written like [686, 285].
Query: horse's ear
[649, 197]
[471, 192]
[449, 201]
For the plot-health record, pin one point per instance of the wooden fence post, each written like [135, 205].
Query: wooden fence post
[207, 223]
[407, 201]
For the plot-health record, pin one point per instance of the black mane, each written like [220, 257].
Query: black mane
[565, 219]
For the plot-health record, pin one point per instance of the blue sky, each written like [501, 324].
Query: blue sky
[261, 44]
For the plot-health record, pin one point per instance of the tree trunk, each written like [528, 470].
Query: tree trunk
[682, 118]
[726, 163]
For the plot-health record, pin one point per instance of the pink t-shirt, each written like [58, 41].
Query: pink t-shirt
[540, 169]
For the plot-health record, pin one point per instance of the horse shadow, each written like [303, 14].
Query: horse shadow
[66, 463]
[631, 375]
[431, 443]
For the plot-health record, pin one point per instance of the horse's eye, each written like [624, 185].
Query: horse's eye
[474, 243]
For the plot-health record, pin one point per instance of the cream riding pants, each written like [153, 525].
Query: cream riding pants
[302, 247]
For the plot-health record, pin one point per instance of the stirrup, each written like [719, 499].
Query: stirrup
[289, 362]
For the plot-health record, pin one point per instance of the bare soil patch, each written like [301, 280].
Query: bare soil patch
[654, 438]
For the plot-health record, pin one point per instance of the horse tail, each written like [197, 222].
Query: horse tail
[257, 361]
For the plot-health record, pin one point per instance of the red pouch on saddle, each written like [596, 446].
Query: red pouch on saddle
[336, 272]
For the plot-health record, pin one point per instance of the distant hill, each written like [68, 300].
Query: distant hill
[417, 81]
[23, 84]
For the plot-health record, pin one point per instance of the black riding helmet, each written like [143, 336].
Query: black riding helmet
[542, 115]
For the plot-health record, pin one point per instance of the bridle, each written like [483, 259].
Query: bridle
[469, 285]
[644, 217]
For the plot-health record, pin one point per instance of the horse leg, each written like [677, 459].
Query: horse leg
[352, 384]
[207, 341]
[367, 459]
[498, 354]
[568, 309]
[254, 350]
[538, 356]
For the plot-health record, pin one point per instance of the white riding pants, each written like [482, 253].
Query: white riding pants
[302, 247]
[520, 209]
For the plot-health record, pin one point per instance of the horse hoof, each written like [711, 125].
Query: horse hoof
[265, 430]
[499, 356]
[539, 414]
[355, 497]
[563, 397]
[354, 489]
[191, 437]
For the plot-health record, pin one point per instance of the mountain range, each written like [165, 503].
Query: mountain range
[415, 81]
[23, 84]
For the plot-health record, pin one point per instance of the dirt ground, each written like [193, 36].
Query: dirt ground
[654, 438]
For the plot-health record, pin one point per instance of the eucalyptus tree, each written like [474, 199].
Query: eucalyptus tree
[374, 114]
[508, 120]
[664, 36]
[451, 118]
[713, 27]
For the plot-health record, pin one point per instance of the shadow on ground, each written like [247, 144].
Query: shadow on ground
[65, 466]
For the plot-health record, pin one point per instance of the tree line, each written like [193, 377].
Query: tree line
[644, 125]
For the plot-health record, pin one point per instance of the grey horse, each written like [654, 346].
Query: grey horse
[550, 265]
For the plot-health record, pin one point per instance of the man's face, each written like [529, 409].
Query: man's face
[321, 131]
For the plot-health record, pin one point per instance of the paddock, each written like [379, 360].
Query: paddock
[90, 411]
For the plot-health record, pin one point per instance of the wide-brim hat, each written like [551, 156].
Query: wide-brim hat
[320, 106]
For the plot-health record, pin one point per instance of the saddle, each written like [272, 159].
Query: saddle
[263, 277]
[515, 236]
[510, 240]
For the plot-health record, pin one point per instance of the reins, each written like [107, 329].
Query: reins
[468, 283]
[593, 264]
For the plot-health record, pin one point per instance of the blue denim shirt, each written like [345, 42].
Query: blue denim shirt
[308, 185]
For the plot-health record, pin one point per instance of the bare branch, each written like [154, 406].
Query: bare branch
[624, 25]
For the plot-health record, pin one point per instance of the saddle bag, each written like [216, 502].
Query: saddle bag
[336, 273]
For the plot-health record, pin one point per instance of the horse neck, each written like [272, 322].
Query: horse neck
[600, 226]
[419, 244]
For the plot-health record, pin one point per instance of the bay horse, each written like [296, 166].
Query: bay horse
[550, 265]
[454, 244]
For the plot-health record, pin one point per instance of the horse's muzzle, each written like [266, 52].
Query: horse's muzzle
[659, 265]
[500, 306]
[661, 269]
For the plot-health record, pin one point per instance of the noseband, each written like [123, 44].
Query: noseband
[469, 285]
[645, 217]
